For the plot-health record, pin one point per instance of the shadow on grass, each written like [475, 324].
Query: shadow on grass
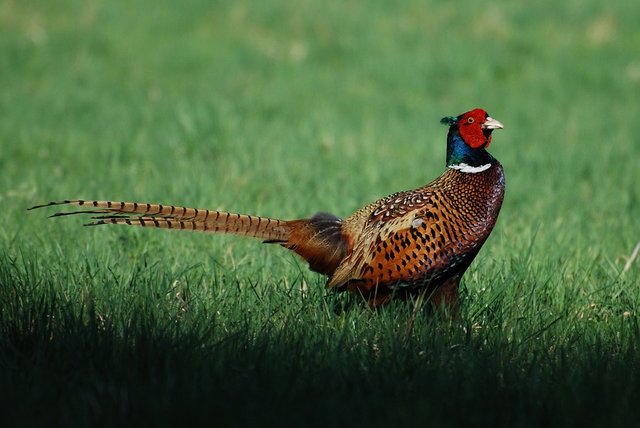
[73, 361]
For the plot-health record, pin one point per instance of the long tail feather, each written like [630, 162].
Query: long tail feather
[318, 239]
[176, 217]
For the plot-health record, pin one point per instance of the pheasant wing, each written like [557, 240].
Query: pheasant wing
[409, 238]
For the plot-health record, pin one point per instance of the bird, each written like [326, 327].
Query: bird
[418, 242]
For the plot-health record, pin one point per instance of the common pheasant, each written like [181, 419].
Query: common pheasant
[408, 243]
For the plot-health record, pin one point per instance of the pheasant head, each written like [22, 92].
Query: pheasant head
[469, 136]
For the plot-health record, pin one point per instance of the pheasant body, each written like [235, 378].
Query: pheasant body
[414, 241]
[411, 242]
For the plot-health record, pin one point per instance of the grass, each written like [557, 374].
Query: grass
[280, 110]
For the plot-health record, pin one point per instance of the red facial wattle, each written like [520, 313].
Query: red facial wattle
[471, 130]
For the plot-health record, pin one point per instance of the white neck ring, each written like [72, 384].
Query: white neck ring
[463, 167]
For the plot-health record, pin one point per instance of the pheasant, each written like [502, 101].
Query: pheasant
[409, 243]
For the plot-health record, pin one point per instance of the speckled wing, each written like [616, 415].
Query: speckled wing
[408, 238]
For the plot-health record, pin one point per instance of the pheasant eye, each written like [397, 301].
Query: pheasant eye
[470, 120]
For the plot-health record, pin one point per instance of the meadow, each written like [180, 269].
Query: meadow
[283, 109]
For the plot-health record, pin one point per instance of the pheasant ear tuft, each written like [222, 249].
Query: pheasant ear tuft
[449, 120]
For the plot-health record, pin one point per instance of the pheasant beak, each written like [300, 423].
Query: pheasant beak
[491, 123]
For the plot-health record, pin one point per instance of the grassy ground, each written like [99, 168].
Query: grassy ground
[281, 110]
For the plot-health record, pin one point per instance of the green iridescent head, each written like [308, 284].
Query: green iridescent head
[469, 136]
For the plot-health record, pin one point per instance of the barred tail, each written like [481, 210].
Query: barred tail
[319, 239]
[179, 218]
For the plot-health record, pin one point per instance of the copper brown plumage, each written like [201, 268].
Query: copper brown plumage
[412, 242]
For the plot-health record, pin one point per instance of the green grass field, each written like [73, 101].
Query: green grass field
[283, 109]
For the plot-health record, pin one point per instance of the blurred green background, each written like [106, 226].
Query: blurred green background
[282, 109]
[285, 109]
